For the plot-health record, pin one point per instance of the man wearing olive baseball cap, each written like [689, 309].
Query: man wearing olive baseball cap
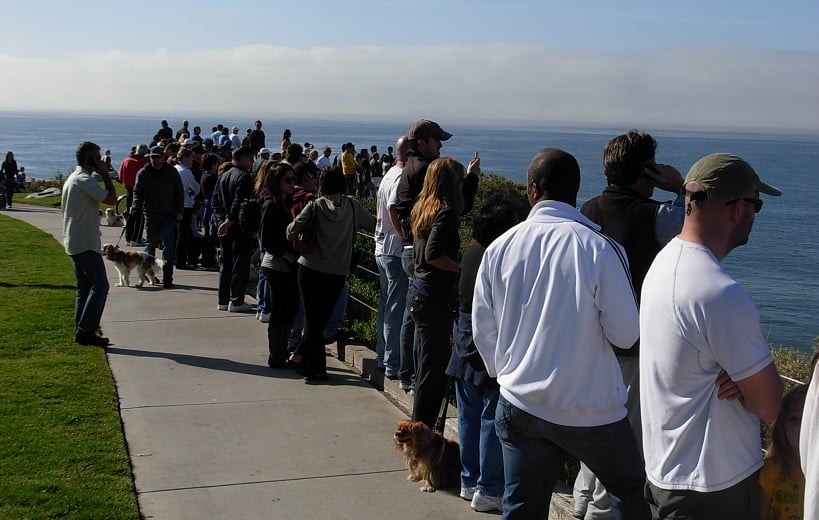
[706, 372]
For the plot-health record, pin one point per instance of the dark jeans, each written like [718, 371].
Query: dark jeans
[185, 239]
[740, 501]
[349, 183]
[209, 241]
[92, 291]
[433, 324]
[133, 223]
[284, 295]
[319, 292]
[165, 229]
[234, 269]
[407, 370]
[533, 452]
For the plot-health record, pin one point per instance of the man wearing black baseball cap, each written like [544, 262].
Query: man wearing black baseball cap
[159, 197]
[425, 138]
[706, 372]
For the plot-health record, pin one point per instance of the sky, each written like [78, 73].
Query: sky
[697, 64]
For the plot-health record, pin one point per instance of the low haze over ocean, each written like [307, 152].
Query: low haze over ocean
[778, 265]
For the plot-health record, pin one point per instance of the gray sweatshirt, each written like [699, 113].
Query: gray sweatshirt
[333, 218]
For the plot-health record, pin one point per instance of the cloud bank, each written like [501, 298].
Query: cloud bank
[499, 83]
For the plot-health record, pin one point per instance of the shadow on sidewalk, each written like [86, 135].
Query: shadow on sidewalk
[338, 376]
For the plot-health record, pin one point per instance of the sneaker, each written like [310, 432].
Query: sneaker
[406, 386]
[91, 340]
[243, 307]
[264, 317]
[484, 503]
[467, 493]
[221, 307]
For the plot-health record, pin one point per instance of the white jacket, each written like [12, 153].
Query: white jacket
[553, 295]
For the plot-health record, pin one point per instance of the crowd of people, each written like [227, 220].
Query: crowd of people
[611, 333]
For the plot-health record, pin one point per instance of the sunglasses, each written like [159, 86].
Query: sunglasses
[756, 202]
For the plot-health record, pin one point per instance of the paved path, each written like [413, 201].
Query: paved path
[213, 433]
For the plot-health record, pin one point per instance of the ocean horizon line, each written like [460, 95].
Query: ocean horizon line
[476, 123]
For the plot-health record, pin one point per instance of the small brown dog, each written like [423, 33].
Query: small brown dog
[428, 455]
[125, 261]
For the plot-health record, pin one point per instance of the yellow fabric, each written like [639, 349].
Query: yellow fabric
[786, 497]
[348, 163]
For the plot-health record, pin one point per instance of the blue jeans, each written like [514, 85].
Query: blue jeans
[406, 372]
[234, 269]
[337, 317]
[533, 454]
[164, 229]
[481, 454]
[391, 305]
[263, 288]
[92, 291]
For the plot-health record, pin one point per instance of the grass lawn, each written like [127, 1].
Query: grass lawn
[54, 202]
[62, 452]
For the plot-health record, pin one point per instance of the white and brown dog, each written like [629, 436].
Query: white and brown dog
[112, 219]
[147, 267]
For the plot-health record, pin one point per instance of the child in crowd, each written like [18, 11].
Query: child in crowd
[782, 485]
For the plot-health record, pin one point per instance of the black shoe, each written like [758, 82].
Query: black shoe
[167, 285]
[91, 340]
[316, 378]
[299, 366]
[276, 362]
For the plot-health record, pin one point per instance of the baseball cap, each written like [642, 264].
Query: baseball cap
[142, 149]
[264, 151]
[156, 151]
[725, 176]
[424, 129]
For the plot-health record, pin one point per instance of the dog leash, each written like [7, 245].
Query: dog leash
[122, 233]
[440, 421]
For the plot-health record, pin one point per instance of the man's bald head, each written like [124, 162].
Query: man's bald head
[402, 148]
[553, 175]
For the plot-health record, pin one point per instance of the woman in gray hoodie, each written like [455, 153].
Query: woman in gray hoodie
[335, 218]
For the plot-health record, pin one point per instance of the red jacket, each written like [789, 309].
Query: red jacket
[128, 170]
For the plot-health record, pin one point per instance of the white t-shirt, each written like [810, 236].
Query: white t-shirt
[387, 241]
[81, 212]
[323, 162]
[695, 322]
[809, 448]
[190, 188]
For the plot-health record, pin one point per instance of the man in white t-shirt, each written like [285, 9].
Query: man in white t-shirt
[81, 199]
[706, 372]
[389, 246]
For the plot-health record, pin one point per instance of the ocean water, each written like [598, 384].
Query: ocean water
[778, 265]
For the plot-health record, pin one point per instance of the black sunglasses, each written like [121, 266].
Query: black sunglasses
[756, 202]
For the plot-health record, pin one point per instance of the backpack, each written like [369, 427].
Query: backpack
[307, 237]
[250, 215]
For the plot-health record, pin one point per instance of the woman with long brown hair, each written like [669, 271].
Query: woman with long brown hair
[279, 260]
[432, 296]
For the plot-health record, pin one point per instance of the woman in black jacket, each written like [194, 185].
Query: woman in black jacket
[279, 263]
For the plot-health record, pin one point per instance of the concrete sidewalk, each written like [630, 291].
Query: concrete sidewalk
[213, 433]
